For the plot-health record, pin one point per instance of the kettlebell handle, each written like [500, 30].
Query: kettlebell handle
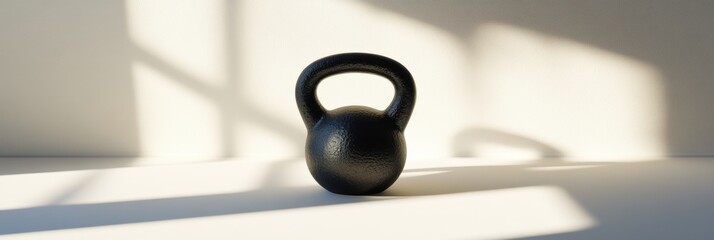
[401, 107]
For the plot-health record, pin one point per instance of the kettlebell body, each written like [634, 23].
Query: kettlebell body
[355, 150]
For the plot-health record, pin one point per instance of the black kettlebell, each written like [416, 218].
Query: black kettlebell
[355, 150]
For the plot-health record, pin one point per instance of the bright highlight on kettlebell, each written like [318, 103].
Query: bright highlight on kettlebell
[355, 150]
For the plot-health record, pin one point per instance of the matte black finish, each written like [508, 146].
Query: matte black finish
[355, 150]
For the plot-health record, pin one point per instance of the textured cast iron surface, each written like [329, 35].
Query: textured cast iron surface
[355, 150]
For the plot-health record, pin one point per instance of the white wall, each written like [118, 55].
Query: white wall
[587, 79]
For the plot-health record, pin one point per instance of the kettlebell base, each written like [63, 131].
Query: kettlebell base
[357, 193]
[354, 191]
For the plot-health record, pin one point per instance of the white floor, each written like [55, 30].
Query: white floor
[90, 198]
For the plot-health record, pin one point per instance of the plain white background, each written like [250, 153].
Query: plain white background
[585, 79]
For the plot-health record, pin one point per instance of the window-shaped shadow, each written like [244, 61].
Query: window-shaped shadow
[623, 198]
[57, 217]
[668, 41]
[211, 98]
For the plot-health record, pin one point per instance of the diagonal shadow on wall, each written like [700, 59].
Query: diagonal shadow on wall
[233, 108]
[674, 37]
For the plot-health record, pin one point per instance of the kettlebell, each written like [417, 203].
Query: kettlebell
[355, 150]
